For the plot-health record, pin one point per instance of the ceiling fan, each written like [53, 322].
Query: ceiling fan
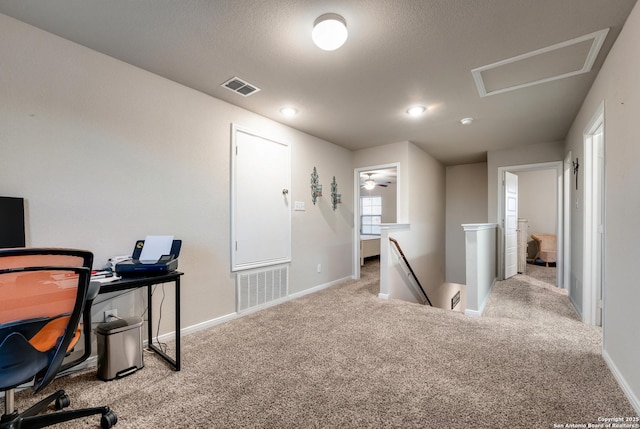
[369, 183]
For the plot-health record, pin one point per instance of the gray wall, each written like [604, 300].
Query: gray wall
[616, 85]
[106, 153]
[427, 217]
[466, 202]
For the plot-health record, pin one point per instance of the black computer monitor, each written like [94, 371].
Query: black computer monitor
[11, 222]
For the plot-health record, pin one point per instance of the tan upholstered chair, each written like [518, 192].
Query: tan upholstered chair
[546, 247]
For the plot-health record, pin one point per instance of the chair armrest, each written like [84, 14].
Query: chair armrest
[92, 292]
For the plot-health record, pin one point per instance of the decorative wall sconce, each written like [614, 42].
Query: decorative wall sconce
[336, 198]
[576, 167]
[316, 188]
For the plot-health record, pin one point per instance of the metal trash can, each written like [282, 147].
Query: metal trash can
[119, 348]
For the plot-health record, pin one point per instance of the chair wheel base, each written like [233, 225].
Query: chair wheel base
[62, 402]
[108, 420]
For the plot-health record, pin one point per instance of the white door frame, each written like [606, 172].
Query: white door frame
[356, 208]
[554, 165]
[568, 169]
[590, 262]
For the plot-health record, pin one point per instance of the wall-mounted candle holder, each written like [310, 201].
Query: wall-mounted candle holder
[336, 198]
[316, 188]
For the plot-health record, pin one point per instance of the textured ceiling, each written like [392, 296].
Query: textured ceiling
[398, 53]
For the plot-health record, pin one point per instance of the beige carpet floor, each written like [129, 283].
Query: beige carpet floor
[539, 273]
[342, 358]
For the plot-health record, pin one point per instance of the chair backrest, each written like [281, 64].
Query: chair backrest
[50, 257]
[41, 303]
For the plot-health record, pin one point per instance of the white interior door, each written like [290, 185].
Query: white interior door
[510, 224]
[261, 218]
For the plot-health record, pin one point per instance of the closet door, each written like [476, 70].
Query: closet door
[260, 218]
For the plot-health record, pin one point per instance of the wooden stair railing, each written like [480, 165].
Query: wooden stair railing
[404, 258]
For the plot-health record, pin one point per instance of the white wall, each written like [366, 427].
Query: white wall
[105, 153]
[466, 202]
[537, 200]
[617, 85]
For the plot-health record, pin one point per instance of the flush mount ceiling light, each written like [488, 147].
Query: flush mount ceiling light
[416, 110]
[466, 121]
[329, 31]
[289, 112]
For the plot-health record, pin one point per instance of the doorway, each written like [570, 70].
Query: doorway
[556, 186]
[594, 230]
[376, 203]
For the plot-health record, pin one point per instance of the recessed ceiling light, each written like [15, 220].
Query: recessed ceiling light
[416, 110]
[329, 31]
[466, 121]
[289, 112]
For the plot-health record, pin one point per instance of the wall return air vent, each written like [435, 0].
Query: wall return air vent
[258, 288]
[240, 86]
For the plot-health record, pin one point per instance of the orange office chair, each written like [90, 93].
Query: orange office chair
[43, 294]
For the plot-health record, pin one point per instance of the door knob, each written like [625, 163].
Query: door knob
[285, 191]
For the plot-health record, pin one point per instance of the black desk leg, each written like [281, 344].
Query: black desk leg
[178, 324]
[175, 363]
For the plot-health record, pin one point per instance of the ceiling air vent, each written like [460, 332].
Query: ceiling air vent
[241, 87]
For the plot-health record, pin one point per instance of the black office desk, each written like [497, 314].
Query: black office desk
[126, 283]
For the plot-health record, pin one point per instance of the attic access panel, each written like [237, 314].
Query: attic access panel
[565, 59]
[260, 214]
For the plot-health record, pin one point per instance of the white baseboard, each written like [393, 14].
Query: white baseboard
[383, 295]
[479, 311]
[318, 288]
[635, 401]
[231, 316]
[208, 324]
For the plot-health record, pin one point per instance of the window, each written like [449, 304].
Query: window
[370, 215]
